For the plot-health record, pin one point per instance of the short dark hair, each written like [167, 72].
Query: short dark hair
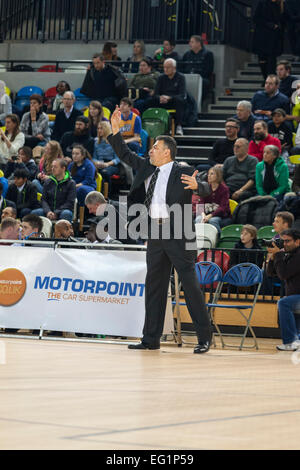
[21, 173]
[286, 63]
[171, 41]
[98, 55]
[170, 143]
[35, 221]
[197, 38]
[233, 119]
[36, 97]
[127, 101]
[292, 232]
[8, 222]
[83, 119]
[287, 217]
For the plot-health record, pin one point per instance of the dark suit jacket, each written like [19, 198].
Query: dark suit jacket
[176, 194]
[63, 124]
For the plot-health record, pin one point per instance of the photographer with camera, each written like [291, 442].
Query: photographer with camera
[285, 264]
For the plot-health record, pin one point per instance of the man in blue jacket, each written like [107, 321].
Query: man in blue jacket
[264, 102]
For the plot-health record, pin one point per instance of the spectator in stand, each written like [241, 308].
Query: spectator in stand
[9, 211]
[166, 51]
[264, 102]
[268, 35]
[35, 124]
[223, 148]
[138, 54]
[95, 235]
[83, 171]
[4, 203]
[272, 174]
[282, 221]
[59, 194]
[31, 226]
[23, 160]
[239, 172]
[58, 104]
[10, 140]
[283, 71]
[80, 136]
[246, 246]
[104, 157]
[246, 119]
[130, 125]
[96, 115]
[5, 103]
[63, 229]
[23, 193]
[144, 83]
[279, 129]
[170, 93]
[261, 139]
[65, 116]
[214, 209]
[52, 152]
[201, 62]
[291, 8]
[110, 52]
[9, 229]
[104, 83]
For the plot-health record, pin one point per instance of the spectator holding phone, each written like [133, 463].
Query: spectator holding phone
[10, 140]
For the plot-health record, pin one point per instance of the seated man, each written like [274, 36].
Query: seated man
[239, 172]
[63, 229]
[104, 83]
[23, 193]
[80, 135]
[130, 126]
[35, 123]
[66, 117]
[95, 234]
[246, 119]
[4, 203]
[283, 71]
[286, 265]
[170, 93]
[165, 52]
[272, 174]
[31, 226]
[223, 148]
[264, 102]
[59, 194]
[261, 139]
[199, 60]
[9, 229]
[9, 211]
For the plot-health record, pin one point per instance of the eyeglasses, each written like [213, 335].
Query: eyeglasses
[231, 127]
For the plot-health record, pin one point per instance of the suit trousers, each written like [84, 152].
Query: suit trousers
[161, 255]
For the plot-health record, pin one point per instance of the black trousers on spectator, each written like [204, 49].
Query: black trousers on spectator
[174, 103]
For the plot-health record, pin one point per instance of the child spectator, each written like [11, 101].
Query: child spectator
[246, 245]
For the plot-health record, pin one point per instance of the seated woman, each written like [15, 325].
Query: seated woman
[272, 174]
[35, 123]
[144, 83]
[25, 161]
[110, 52]
[104, 157]
[138, 53]
[247, 244]
[96, 115]
[5, 103]
[214, 209]
[10, 140]
[52, 152]
[83, 171]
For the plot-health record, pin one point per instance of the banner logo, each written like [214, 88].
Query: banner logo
[12, 286]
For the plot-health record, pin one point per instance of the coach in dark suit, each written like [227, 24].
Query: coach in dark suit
[159, 184]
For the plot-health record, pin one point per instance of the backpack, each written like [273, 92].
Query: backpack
[258, 211]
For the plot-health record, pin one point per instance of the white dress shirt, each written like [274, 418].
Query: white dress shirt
[158, 208]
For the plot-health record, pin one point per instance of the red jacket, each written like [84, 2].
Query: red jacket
[257, 150]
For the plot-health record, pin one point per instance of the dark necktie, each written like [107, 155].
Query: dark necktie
[150, 189]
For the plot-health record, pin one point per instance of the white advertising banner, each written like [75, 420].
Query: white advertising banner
[77, 290]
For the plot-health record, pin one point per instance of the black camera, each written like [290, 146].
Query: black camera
[269, 243]
[14, 158]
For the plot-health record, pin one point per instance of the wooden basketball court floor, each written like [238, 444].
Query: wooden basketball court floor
[78, 395]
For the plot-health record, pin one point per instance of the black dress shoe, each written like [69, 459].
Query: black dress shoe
[143, 346]
[202, 348]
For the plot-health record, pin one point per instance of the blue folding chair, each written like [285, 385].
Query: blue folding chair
[241, 275]
[144, 144]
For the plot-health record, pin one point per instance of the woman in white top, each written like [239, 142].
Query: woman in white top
[5, 102]
[10, 140]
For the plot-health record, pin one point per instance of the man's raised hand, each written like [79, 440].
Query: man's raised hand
[115, 120]
[190, 181]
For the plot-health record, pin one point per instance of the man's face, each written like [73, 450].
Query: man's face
[98, 64]
[80, 128]
[95, 209]
[26, 230]
[91, 233]
[277, 119]
[242, 113]
[11, 233]
[195, 46]
[279, 225]
[19, 182]
[61, 88]
[240, 148]
[57, 170]
[260, 133]
[124, 108]
[270, 86]
[7, 212]
[68, 100]
[289, 243]
[167, 47]
[281, 71]
[67, 231]
[231, 130]
[169, 69]
[159, 154]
